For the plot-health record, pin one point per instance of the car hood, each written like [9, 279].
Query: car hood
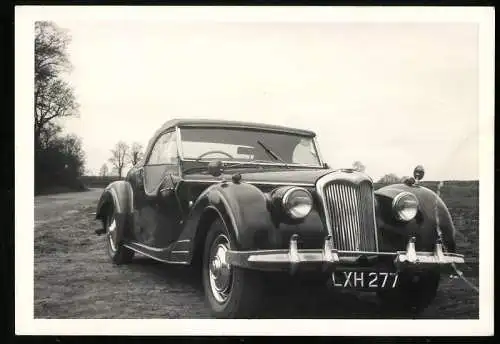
[279, 177]
[307, 177]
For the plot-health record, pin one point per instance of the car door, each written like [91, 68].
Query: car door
[159, 215]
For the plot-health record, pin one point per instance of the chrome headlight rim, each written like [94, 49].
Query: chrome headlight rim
[397, 199]
[285, 203]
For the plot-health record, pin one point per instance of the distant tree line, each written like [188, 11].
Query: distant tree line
[389, 178]
[59, 160]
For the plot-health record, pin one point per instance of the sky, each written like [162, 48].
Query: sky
[391, 95]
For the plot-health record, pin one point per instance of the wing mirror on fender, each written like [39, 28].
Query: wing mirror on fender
[418, 173]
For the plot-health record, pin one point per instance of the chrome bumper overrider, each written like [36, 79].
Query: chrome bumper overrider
[329, 258]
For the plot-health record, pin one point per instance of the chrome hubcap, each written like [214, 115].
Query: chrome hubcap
[219, 270]
[112, 234]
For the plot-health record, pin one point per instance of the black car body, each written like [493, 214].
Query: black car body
[240, 200]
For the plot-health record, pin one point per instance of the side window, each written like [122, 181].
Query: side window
[168, 155]
[164, 151]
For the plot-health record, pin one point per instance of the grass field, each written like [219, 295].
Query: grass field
[73, 277]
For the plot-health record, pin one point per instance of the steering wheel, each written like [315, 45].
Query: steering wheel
[215, 151]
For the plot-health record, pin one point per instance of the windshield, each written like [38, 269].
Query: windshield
[247, 146]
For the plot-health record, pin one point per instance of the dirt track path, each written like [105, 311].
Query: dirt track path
[74, 278]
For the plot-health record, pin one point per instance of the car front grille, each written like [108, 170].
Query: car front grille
[349, 209]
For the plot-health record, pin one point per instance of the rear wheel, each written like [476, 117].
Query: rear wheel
[230, 292]
[414, 294]
[116, 251]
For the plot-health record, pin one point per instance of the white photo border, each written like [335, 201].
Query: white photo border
[25, 16]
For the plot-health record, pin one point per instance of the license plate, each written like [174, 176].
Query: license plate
[365, 279]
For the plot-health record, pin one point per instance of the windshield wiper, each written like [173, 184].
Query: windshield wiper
[271, 153]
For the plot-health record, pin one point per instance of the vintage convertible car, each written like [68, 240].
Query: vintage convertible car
[242, 201]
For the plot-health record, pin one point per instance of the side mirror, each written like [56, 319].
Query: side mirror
[215, 168]
[418, 173]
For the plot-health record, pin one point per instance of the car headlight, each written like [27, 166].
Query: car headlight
[297, 203]
[405, 206]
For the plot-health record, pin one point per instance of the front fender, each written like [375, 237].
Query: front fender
[118, 194]
[394, 234]
[242, 208]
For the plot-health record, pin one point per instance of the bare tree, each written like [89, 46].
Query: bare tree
[358, 166]
[54, 97]
[50, 50]
[119, 157]
[136, 153]
[48, 134]
[103, 172]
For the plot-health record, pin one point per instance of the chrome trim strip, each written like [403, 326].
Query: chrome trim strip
[154, 249]
[340, 252]
[292, 258]
[319, 167]
[179, 149]
[250, 126]
[179, 143]
[375, 219]
[184, 240]
[155, 258]
[304, 257]
[213, 181]
[181, 252]
[320, 189]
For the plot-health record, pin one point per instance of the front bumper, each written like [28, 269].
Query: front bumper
[330, 259]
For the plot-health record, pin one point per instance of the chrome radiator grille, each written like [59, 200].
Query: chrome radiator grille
[349, 209]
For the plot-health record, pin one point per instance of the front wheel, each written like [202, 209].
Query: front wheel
[118, 253]
[414, 294]
[230, 292]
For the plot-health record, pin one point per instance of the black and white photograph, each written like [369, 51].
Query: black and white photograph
[318, 170]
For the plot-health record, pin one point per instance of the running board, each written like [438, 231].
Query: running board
[164, 255]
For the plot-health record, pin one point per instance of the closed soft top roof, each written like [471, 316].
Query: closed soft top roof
[207, 123]
[232, 124]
